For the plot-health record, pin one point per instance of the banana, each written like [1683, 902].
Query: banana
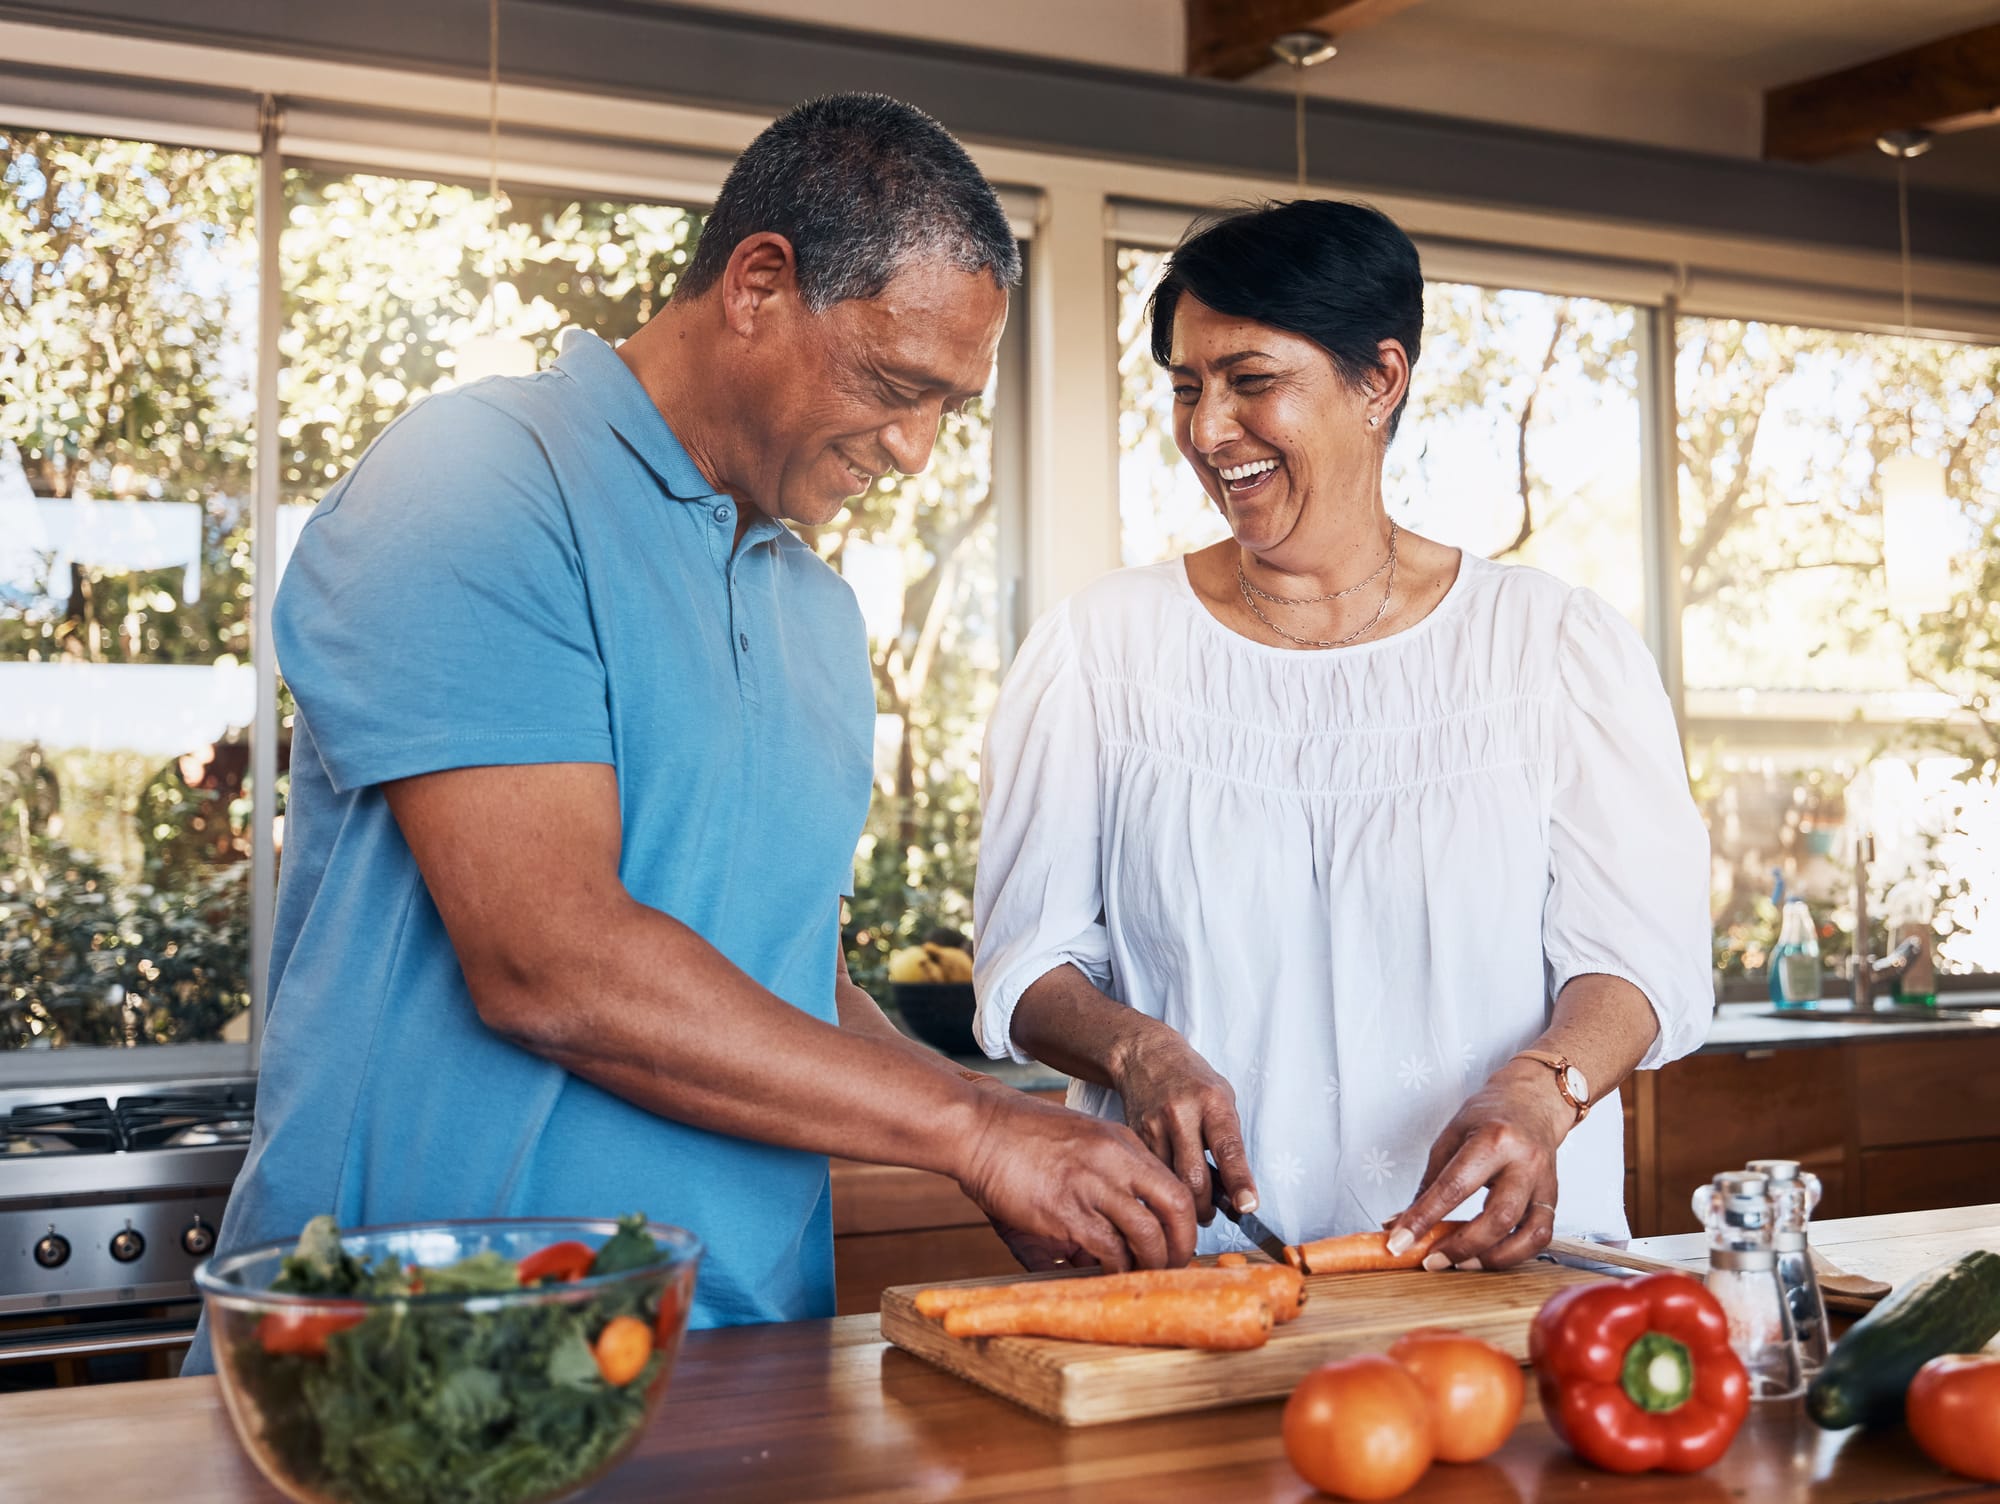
[953, 964]
[914, 965]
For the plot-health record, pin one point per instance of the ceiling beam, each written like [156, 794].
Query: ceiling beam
[1950, 84]
[1232, 38]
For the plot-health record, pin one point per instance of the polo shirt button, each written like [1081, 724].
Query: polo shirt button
[743, 641]
[722, 515]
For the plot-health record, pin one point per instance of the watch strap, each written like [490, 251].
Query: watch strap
[1561, 1065]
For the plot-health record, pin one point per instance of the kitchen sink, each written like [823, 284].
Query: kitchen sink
[1959, 1013]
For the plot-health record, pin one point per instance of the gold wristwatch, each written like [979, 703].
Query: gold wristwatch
[1570, 1081]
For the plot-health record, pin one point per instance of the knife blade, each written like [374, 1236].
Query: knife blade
[1246, 1222]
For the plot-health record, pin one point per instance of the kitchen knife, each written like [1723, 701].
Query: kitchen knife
[1246, 1222]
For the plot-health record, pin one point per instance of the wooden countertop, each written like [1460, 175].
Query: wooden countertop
[823, 1410]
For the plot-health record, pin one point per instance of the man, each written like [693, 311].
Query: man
[583, 754]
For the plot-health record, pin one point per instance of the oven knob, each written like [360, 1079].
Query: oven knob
[198, 1239]
[127, 1245]
[52, 1252]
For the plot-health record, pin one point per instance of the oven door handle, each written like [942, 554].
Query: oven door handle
[83, 1341]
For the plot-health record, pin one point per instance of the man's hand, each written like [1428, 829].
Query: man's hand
[1085, 1188]
[1038, 1254]
[1504, 1140]
[1184, 1112]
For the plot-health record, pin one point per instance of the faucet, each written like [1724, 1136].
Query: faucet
[1862, 973]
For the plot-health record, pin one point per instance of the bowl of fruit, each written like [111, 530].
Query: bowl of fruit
[509, 1362]
[930, 986]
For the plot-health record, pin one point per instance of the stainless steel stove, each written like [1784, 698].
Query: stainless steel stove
[109, 1197]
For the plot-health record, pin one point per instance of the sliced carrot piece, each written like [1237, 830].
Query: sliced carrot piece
[623, 1348]
[1365, 1252]
[1231, 1260]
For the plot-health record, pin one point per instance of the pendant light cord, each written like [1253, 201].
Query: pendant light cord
[1903, 225]
[489, 305]
[1299, 116]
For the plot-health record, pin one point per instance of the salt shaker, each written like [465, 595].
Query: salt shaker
[1743, 1277]
[1794, 1193]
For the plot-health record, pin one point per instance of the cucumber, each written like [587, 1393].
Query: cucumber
[1954, 1308]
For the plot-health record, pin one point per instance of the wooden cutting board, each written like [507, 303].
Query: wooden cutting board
[1085, 1384]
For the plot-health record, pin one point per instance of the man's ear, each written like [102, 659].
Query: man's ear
[762, 271]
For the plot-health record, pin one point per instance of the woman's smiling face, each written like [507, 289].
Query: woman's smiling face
[1266, 421]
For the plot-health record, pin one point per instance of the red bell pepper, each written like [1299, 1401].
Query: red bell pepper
[561, 1262]
[303, 1334]
[1638, 1374]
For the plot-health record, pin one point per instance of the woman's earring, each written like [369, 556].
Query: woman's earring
[1373, 420]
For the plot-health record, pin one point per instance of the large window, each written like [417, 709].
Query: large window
[127, 338]
[922, 553]
[1521, 439]
[1816, 711]
[128, 384]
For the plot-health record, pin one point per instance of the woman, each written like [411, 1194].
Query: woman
[1293, 847]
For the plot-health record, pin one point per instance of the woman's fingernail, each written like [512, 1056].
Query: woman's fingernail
[1400, 1242]
[1247, 1202]
[1472, 1265]
[1435, 1262]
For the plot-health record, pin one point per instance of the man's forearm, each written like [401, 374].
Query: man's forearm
[655, 1014]
[861, 1014]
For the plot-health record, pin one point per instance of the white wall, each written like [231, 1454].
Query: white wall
[1147, 34]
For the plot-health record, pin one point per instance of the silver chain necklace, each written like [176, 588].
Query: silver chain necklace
[1251, 593]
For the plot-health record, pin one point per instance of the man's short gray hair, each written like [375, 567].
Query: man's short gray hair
[862, 185]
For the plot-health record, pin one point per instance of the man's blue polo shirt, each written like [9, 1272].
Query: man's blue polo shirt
[533, 571]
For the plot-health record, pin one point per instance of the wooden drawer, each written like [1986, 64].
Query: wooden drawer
[1911, 1180]
[1920, 1091]
[866, 1264]
[888, 1198]
[1715, 1112]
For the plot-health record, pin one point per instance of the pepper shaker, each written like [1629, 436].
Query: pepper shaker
[1743, 1277]
[1794, 1193]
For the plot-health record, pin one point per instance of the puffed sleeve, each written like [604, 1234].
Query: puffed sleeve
[434, 614]
[1037, 903]
[1628, 857]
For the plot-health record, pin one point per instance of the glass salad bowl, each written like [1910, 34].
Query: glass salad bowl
[494, 1362]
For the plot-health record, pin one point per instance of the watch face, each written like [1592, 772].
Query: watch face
[1578, 1087]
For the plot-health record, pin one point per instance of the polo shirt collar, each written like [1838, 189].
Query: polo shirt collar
[618, 395]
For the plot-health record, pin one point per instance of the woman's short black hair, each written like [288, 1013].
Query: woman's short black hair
[1343, 275]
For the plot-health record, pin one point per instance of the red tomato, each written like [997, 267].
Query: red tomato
[303, 1334]
[667, 1327]
[1359, 1428]
[1474, 1389]
[1953, 1408]
[561, 1262]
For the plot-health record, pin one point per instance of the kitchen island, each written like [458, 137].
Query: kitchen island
[823, 1410]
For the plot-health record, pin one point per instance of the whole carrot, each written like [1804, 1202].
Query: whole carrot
[1282, 1288]
[1217, 1320]
[1365, 1252]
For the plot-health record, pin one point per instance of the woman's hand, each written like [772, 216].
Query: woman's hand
[1184, 1112]
[1504, 1140]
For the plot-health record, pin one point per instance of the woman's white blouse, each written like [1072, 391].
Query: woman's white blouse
[1352, 879]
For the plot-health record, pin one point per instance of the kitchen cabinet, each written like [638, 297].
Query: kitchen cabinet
[1888, 1124]
[894, 1226]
